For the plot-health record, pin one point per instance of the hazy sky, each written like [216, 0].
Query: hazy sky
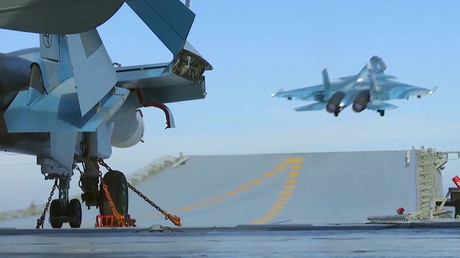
[258, 47]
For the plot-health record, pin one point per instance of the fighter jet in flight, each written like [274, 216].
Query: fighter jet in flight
[366, 90]
[67, 103]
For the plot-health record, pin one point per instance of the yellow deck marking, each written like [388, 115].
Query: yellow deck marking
[269, 174]
[261, 220]
[293, 160]
[293, 174]
[283, 198]
[286, 193]
[272, 213]
[217, 198]
[291, 181]
[243, 188]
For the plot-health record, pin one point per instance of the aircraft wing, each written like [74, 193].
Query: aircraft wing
[390, 89]
[170, 20]
[56, 17]
[307, 93]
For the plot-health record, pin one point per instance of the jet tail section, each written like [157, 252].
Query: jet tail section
[170, 20]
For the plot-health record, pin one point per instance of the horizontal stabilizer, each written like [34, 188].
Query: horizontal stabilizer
[59, 111]
[170, 20]
[307, 93]
[157, 83]
[56, 16]
[379, 105]
[312, 107]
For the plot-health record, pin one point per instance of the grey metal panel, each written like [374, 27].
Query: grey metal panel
[330, 188]
[55, 16]
[92, 68]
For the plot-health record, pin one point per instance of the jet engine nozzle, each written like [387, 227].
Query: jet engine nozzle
[361, 101]
[333, 105]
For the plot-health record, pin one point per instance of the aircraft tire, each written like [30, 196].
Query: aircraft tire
[55, 211]
[74, 213]
[118, 189]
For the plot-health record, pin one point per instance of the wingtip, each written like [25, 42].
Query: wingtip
[276, 93]
[433, 90]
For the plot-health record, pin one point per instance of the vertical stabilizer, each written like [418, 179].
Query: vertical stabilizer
[326, 82]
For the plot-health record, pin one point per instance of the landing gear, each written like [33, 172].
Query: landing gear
[117, 187]
[61, 210]
[381, 112]
[60, 213]
[56, 211]
[74, 213]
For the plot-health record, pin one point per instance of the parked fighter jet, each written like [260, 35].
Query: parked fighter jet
[66, 103]
[368, 89]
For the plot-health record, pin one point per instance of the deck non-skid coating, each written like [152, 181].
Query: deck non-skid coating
[243, 241]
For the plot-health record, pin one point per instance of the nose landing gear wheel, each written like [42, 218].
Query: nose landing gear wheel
[118, 189]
